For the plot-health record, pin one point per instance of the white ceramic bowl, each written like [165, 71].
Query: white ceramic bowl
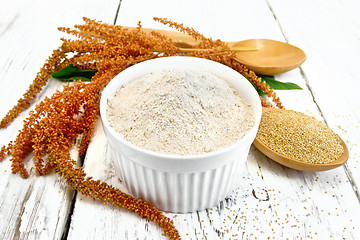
[172, 182]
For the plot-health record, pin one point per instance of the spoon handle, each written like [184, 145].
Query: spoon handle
[186, 42]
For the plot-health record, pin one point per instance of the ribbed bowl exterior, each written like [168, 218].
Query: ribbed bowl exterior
[180, 191]
[180, 183]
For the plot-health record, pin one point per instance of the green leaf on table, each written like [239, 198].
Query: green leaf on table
[72, 73]
[261, 93]
[277, 85]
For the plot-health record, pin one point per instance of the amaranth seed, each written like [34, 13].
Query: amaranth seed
[299, 136]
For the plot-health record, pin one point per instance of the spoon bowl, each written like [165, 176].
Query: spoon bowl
[296, 164]
[263, 56]
[273, 57]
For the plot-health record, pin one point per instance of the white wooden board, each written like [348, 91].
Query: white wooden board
[329, 33]
[272, 201]
[37, 207]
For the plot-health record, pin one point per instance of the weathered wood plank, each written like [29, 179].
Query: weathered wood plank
[93, 220]
[272, 201]
[329, 32]
[37, 207]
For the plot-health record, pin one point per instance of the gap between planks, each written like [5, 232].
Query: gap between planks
[345, 167]
[81, 162]
[68, 221]
[117, 12]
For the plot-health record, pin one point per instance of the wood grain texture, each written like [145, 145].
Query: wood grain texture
[330, 33]
[37, 207]
[272, 201]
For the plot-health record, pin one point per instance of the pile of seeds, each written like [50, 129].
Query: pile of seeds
[299, 136]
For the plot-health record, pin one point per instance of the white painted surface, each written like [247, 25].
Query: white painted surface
[272, 201]
[37, 207]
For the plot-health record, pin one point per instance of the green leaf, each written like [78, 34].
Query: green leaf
[261, 93]
[72, 73]
[276, 85]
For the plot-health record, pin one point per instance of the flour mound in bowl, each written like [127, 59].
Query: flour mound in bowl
[182, 112]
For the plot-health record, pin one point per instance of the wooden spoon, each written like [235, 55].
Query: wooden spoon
[299, 165]
[269, 58]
